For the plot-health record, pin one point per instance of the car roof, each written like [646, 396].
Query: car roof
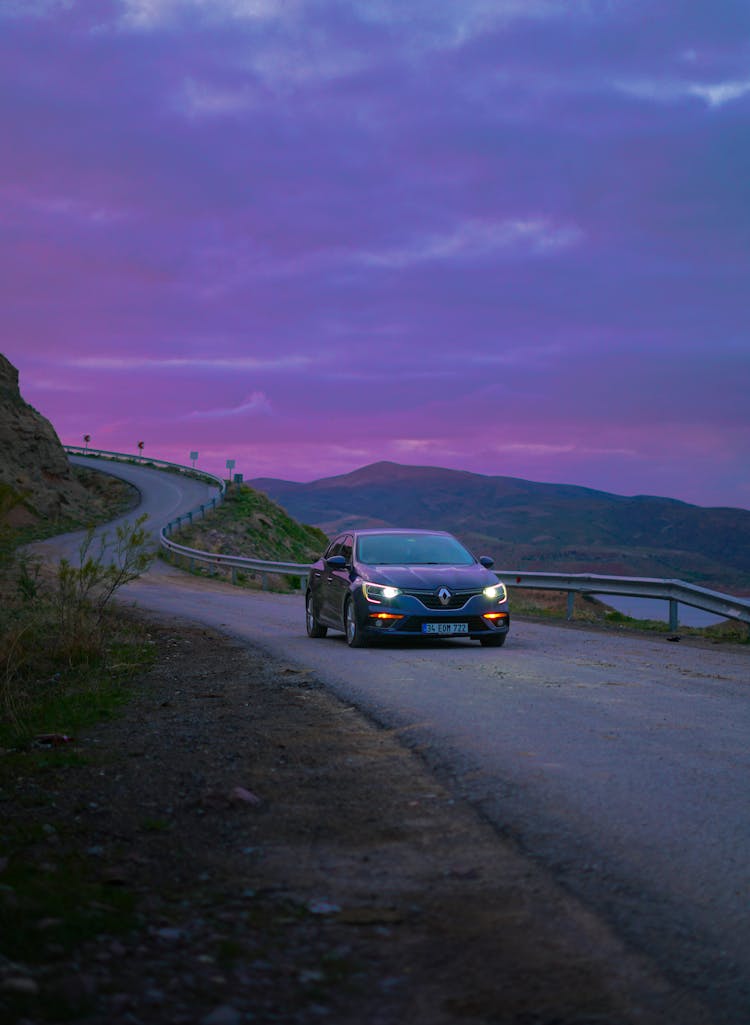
[394, 530]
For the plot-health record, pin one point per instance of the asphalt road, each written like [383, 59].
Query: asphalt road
[618, 762]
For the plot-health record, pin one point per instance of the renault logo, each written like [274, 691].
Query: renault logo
[444, 595]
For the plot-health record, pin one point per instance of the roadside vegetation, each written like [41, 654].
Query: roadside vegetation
[66, 660]
[107, 498]
[249, 524]
[64, 654]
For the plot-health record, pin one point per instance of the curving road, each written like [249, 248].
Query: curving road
[619, 763]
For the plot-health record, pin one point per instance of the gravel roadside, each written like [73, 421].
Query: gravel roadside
[258, 851]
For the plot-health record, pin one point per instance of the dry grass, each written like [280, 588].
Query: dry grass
[57, 638]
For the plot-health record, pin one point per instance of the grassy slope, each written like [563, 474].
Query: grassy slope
[248, 523]
[108, 497]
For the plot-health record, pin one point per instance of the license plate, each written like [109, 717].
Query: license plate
[445, 628]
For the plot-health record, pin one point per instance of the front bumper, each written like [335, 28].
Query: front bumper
[405, 615]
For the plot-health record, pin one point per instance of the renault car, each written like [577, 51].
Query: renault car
[405, 584]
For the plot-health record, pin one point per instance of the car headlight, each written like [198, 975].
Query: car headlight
[379, 592]
[496, 592]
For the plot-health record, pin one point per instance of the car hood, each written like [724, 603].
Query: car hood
[430, 578]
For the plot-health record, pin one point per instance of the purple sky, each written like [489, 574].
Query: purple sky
[510, 236]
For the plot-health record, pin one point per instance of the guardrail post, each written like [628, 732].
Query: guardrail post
[264, 581]
[570, 604]
[674, 619]
[234, 575]
[191, 565]
[303, 584]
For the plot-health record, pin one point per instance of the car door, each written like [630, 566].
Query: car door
[340, 580]
[317, 579]
[329, 585]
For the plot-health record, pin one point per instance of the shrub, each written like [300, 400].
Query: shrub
[55, 623]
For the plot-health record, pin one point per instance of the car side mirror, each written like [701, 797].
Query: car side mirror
[336, 562]
[487, 562]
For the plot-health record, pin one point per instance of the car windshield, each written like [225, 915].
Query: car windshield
[412, 550]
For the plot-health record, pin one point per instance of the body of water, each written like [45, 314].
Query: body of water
[657, 609]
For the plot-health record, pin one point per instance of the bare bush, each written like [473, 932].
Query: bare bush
[49, 624]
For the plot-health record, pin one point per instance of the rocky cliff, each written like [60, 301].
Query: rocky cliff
[33, 463]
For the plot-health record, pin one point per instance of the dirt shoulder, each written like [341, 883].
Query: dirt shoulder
[240, 846]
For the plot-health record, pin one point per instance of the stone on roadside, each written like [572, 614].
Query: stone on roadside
[242, 796]
[223, 1015]
[22, 986]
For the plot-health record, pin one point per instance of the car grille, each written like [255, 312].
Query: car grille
[430, 599]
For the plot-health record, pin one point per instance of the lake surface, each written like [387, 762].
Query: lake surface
[655, 608]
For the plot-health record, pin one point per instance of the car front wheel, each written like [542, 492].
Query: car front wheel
[314, 628]
[354, 636]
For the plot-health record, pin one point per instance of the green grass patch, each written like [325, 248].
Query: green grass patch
[249, 524]
[156, 825]
[75, 698]
[229, 951]
[620, 619]
[51, 900]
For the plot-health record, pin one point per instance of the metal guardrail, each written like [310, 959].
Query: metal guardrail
[237, 563]
[141, 460]
[675, 592]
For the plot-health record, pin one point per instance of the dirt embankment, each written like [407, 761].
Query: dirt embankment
[253, 850]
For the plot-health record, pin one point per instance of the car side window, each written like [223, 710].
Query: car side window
[335, 548]
[346, 548]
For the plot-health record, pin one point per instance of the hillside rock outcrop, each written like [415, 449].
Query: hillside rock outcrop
[33, 463]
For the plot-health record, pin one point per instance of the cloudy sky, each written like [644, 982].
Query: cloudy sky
[510, 236]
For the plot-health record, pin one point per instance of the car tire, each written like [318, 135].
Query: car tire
[493, 641]
[352, 630]
[313, 627]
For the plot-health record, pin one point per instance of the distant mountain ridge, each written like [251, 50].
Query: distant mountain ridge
[533, 526]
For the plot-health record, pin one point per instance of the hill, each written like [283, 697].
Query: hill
[534, 526]
[248, 523]
[33, 463]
